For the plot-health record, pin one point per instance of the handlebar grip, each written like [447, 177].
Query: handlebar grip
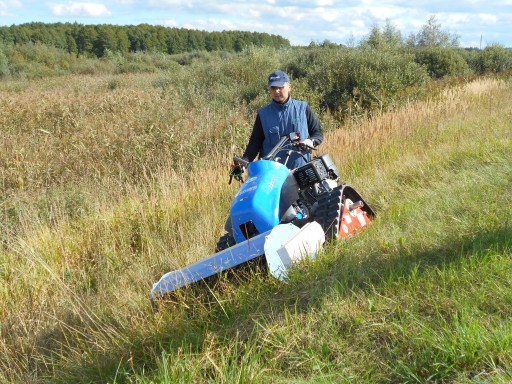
[241, 160]
[306, 148]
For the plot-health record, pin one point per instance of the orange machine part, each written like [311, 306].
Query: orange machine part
[353, 219]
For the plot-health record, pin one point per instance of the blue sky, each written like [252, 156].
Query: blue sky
[477, 23]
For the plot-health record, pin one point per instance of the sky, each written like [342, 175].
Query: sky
[477, 23]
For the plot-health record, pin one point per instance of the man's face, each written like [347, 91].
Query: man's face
[280, 94]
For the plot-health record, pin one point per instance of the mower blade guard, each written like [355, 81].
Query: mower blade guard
[212, 265]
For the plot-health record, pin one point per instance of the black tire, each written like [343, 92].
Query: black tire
[227, 240]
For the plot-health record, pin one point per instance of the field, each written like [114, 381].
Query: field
[109, 181]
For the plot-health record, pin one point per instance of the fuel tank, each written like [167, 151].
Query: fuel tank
[255, 208]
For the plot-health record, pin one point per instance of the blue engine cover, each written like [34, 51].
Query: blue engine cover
[257, 201]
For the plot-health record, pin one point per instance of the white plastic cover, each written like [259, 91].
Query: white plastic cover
[287, 244]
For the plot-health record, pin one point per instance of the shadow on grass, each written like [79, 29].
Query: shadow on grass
[221, 309]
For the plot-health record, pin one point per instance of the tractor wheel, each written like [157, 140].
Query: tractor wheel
[227, 240]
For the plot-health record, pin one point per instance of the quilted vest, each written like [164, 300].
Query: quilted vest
[281, 119]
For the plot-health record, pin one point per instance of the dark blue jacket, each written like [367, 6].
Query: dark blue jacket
[276, 120]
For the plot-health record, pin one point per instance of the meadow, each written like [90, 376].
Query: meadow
[110, 180]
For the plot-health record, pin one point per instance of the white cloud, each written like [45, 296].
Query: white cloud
[303, 20]
[170, 23]
[7, 6]
[358, 23]
[487, 18]
[77, 9]
[384, 13]
[172, 3]
[300, 21]
[327, 15]
[323, 3]
[455, 18]
[220, 25]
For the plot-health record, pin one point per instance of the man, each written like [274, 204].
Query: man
[282, 116]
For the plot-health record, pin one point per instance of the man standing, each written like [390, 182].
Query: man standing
[283, 115]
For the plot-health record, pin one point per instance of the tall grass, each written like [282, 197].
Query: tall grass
[109, 182]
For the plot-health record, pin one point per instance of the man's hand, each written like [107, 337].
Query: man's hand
[237, 171]
[308, 143]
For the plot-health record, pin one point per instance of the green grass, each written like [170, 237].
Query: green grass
[423, 295]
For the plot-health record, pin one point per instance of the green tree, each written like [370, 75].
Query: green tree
[4, 63]
[71, 46]
[21, 36]
[375, 39]
[432, 34]
[85, 38]
[494, 58]
[392, 36]
[195, 41]
[213, 42]
[387, 38]
[176, 42]
[441, 62]
[122, 42]
[106, 40]
[96, 39]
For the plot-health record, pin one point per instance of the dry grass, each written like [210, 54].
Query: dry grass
[108, 182]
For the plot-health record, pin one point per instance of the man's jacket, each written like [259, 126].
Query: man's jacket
[276, 120]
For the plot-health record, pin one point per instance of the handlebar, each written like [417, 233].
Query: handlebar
[241, 160]
[277, 148]
[293, 138]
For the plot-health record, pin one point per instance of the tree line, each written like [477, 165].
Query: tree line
[96, 40]
[38, 50]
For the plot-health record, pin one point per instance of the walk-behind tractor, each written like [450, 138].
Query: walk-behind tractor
[279, 215]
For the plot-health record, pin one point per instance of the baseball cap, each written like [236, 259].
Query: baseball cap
[277, 79]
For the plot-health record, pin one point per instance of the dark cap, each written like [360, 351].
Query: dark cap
[277, 79]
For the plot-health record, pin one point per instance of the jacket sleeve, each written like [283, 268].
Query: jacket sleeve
[314, 128]
[255, 144]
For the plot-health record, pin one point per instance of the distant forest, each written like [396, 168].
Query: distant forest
[98, 39]
[38, 50]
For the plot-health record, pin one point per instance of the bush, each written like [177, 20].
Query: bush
[356, 81]
[35, 61]
[249, 71]
[441, 62]
[494, 58]
[4, 64]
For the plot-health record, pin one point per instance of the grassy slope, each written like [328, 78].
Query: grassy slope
[424, 294]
